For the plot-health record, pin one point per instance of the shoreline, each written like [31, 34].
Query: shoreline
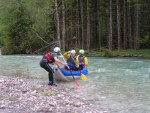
[24, 95]
[121, 56]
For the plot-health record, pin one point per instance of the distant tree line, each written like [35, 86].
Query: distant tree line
[32, 26]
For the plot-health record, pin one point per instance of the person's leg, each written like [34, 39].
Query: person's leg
[81, 67]
[49, 70]
[50, 75]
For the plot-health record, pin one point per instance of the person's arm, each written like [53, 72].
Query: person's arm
[85, 61]
[57, 64]
[66, 55]
[77, 61]
[59, 61]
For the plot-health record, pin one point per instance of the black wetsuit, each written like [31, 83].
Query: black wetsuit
[44, 63]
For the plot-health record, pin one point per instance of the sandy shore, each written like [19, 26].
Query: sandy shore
[22, 95]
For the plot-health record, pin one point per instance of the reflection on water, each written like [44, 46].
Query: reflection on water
[115, 85]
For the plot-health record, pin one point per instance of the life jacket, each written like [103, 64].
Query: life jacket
[71, 61]
[81, 59]
[66, 55]
[49, 57]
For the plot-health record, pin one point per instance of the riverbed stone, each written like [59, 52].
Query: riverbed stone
[23, 95]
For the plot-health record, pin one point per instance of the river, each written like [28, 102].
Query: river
[119, 85]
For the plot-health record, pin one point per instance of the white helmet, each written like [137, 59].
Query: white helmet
[81, 51]
[73, 52]
[56, 49]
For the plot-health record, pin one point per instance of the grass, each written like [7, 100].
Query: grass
[12, 99]
[144, 53]
[49, 93]
[134, 52]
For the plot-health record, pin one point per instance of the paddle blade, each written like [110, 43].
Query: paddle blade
[83, 77]
[77, 85]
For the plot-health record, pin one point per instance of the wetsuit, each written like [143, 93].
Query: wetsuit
[44, 63]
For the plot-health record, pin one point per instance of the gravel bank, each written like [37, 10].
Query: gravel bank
[22, 95]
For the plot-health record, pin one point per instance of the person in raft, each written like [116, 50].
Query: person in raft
[50, 58]
[70, 56]
[81, 60]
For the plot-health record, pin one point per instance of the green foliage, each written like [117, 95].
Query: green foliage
[2, 34]
[131, 52]
[1, 41]
[145, 41]
[24, 24]
[41, 13]
[107, 53]
[22, 21]
[17, 29]
[8, 48]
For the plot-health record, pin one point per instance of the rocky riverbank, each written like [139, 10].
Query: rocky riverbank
[22, 95]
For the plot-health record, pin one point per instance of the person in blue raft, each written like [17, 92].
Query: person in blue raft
[81, 60]
[76, 62]
[70, 57]
[50, 58]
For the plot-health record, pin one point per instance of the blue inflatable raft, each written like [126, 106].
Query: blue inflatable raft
[62, 74]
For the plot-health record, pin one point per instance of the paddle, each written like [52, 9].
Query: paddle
[77, 85]
[83, 76]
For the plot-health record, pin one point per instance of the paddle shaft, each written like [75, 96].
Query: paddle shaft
[71, 73]
[80, 72]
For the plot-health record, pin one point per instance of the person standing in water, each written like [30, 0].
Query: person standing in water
[50, 58]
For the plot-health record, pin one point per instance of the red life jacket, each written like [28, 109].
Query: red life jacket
[48, 56]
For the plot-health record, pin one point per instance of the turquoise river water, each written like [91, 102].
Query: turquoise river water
[117, 85]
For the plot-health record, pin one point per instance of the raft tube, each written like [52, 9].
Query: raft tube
[62, 74]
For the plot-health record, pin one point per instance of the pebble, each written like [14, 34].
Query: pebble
[23, 94]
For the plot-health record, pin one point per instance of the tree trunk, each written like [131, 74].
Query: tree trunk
[88, 27]
[124, 25]
[66, 26]
[78, 37]
[110, 26]
[76, 24]
[71, 28]
[81, 6]
[129, 26]
[118, 22]
[136, 44]
[63, 25]
[57, 23]
[99, 28]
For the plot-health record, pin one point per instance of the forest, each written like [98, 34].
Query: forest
[34, 26]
